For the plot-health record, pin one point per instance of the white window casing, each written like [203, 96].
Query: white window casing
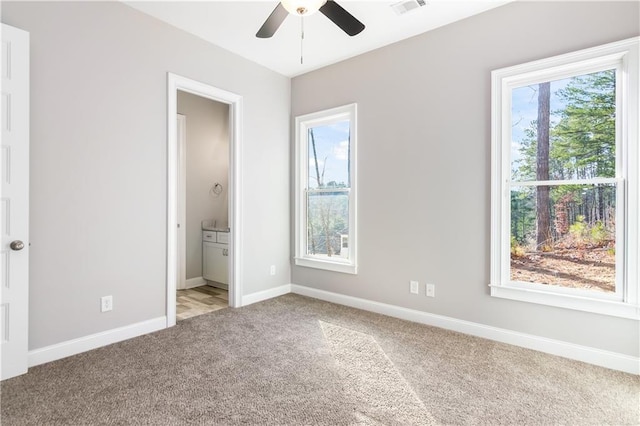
[345, 263]
[623, 57]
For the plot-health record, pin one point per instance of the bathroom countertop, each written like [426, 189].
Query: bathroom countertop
[211, 228]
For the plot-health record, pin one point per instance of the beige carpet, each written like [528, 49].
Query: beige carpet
[298, 361]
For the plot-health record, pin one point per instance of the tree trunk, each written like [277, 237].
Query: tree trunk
[600, 203]
[315, 158]
[543, 207]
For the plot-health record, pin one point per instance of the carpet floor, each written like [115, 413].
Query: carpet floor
[294, 360]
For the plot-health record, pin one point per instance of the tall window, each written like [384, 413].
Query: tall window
[565, 181]
[326, 190]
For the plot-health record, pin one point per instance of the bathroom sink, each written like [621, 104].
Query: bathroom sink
[211, 225]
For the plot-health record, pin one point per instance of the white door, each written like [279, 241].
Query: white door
[14, 172]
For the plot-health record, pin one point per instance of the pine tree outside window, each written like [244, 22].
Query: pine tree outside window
[565, 181]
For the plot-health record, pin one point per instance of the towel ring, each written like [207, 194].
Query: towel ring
[215, 190]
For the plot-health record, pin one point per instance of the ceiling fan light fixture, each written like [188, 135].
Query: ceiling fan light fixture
[303, 7]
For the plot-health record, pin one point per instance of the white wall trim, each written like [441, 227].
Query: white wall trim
[612, 360]
[174, 83]
[94, 341]
[621, 56]
[266, 294]
[303, 123]
[607, 359]
[194, 282]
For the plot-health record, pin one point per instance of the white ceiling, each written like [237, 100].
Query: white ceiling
[232, 25]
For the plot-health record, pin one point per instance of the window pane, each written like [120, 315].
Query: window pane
[564, 129]
[329, 152]
[328, 223]
[569, 241]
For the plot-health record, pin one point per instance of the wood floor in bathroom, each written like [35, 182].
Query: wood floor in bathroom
[200, 300]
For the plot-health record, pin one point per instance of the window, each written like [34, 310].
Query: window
[325, 206]
[565, 181]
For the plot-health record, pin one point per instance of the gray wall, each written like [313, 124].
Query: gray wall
[207, 163]
[424, 163]
[98, 162]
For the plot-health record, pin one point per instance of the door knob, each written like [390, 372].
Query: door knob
[16, 245]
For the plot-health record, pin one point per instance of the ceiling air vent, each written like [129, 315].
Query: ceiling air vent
[407, 6]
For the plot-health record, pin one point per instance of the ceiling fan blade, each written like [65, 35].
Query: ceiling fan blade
[273, 22]
[346, 21]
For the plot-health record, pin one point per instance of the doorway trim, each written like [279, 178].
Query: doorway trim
[182, 202]
[174, 83]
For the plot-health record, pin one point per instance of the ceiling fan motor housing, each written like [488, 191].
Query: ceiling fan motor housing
[303, 7]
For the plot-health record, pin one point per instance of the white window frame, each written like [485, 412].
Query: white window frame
[302, 125]
[623, 56]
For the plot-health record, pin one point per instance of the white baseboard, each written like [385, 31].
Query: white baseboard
[194, 282]
[612, 360]
[266, 294]
[218, 285]
[94, 341]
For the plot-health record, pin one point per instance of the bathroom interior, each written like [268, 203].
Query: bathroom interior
[203, 139]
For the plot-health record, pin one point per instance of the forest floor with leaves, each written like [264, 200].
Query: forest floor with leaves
[586, 268]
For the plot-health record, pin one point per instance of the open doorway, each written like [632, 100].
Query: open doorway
[202, 199]
[203, 205]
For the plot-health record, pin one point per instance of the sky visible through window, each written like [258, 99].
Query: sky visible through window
[524, 111]
[332, 153]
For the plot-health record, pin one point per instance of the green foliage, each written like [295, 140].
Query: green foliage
[584, 139]
[582, 146]
[578, 229]
[522, 214]
[593, 235]
[599, 234]
[516, 249]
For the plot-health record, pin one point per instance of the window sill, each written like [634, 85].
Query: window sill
[597, 306]
[335, 266]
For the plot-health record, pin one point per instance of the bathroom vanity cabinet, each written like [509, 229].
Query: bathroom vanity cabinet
[215, 256]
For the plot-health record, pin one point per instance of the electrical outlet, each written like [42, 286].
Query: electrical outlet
[272, 270]
[414, 287]
[431, 290]
[106, 303]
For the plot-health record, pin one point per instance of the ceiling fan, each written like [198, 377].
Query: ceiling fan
[329, 8]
